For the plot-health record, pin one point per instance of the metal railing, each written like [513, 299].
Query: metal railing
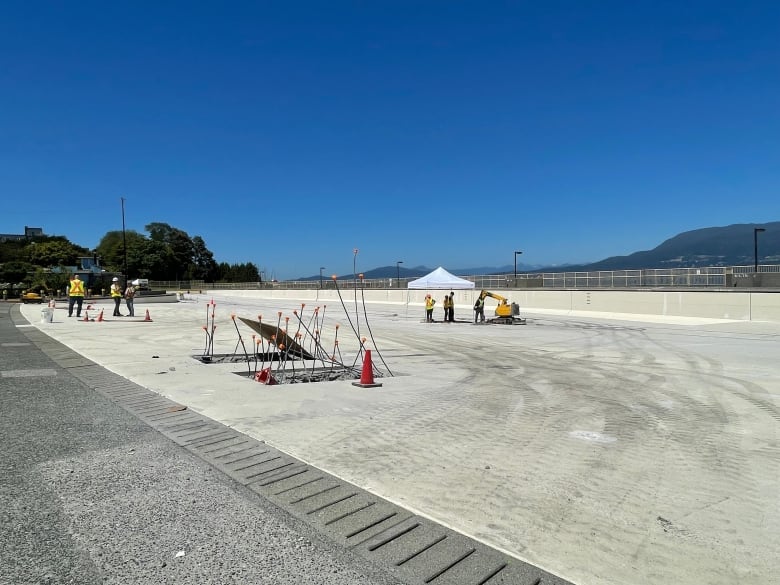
[712, 276]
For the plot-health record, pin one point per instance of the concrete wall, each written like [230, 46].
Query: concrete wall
[731, 304]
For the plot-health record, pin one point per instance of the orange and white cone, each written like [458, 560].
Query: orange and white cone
[100, 316]
[147, 318]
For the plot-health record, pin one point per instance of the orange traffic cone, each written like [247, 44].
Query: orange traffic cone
[100, 316]
[147, 318]
[86, 316]
[367, 375]
[264, 376]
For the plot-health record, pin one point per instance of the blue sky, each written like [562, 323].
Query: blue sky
[437, 133]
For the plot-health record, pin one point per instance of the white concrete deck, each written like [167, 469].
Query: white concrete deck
[604, 450]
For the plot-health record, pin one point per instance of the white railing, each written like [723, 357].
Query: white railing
[712, 276]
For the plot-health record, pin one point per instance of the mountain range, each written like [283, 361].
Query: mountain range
[731, 245]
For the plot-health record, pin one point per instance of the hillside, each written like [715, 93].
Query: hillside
[714, 246]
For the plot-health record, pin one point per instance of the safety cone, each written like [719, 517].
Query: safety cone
[147, 318]
[367, 375]
[264, 376]
[100, 316]
[86, 316]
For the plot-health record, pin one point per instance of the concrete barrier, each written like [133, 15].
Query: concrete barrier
[730, 304]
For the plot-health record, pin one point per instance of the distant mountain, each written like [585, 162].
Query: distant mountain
[715, 246]
[417, 271]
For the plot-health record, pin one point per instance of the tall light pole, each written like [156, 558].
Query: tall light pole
[124, 238]
[321, 269]
[755, 247]
[354, 275]
[516, 253]
[398, 272]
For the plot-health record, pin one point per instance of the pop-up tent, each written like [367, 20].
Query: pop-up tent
[440, 279]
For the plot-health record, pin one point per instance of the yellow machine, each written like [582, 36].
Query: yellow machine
[32, 297]
[506, 313]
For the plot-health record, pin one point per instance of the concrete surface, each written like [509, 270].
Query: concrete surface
[91, 495]
[638, 450]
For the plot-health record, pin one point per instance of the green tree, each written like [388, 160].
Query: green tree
[14, 251]
[205, 267]
[111, 251]
[180, 246]
[54, 253]
[16, 272]
[238, 272]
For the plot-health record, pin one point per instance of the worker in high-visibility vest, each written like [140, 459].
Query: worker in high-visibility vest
[429, 302]
[116, 294]
[447, 308]
[75, 295]
[479, 310]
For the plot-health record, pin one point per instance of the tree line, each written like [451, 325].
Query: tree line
[166, 253]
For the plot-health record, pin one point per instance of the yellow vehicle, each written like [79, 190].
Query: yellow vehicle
[32, 297]
[506, 313]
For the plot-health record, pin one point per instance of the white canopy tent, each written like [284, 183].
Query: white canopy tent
[440, 279]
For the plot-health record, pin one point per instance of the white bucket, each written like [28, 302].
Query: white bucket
[47, 315]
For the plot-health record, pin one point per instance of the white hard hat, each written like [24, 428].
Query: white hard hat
[115, 279]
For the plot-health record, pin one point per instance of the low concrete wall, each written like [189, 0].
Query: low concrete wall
[730, 304]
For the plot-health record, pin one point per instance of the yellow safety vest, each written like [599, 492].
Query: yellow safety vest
[76, 288]
[116, 291]
[429, 303]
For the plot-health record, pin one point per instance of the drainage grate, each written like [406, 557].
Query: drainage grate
[416, 550]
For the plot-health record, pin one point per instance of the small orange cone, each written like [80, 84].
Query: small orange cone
[264, 376]
[367, 375]
[147, 318]
[86, 316]
[100, 316]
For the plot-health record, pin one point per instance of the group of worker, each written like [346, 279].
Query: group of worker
[449, 308]
[76, 296]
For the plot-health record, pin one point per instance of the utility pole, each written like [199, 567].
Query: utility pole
[755, 247]
[124, 237]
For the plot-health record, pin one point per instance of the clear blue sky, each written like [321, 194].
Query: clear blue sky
[437, 133]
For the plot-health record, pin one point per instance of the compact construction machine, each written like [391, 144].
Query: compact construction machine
[506, 312]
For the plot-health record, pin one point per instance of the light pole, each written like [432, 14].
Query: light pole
[398, 273]
[516, 253]
[124, 237]
[755, 247]
[321, 269]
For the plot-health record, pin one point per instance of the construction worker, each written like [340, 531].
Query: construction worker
[429, 302]
[479, 310]
[116, 294]
[447, 308]
[75, 295]
[452, 307]
[129, 299]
